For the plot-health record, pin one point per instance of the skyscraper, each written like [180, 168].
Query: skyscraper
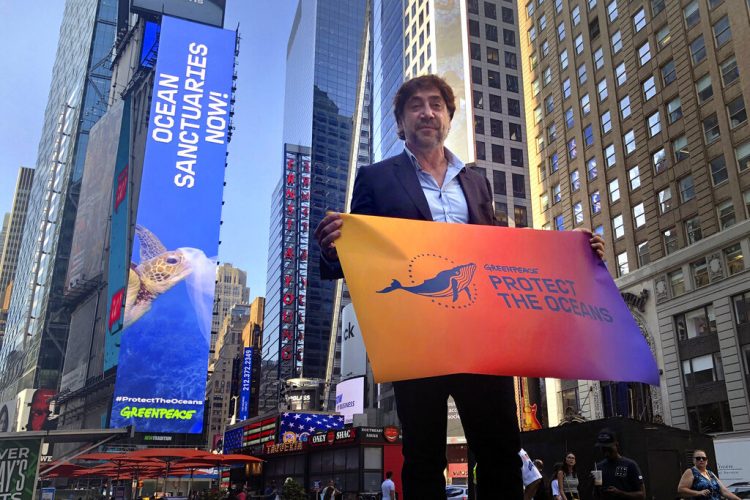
[231, 289]
[638, 129]
[37, 319]
[323, 58]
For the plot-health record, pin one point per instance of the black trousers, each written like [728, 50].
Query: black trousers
[487, 407]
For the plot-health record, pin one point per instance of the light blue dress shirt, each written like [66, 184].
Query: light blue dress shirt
[447, 203]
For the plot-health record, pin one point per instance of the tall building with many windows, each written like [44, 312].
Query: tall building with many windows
[231, 290]
[638, 129]
[37, 327]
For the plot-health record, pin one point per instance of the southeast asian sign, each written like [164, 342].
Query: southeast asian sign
[19, 461]
[162, 365]
[435, 299]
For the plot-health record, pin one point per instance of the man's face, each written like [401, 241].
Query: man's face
[39, 409]
[425, 121]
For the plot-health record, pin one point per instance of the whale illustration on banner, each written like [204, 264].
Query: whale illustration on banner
[448, 283]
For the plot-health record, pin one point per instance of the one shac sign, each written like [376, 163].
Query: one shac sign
[19, 460]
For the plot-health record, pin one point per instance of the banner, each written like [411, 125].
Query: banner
[353, 355]
[163, 360]
[118, 243]
[19, 461]
[350, 398]
[435, 299]
[247, 378]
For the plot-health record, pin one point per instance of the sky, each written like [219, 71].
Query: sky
[255, 152]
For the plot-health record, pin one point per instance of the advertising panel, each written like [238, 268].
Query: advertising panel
[203, 11]
[294, 427]
[78, 349]
[350, 398]
[8, 416]
[118, 243]
[19, 459]
[163, 359]
[353, 355]
[34, 410]
[247, 375]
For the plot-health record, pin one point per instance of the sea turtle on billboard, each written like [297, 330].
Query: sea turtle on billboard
[159, 270]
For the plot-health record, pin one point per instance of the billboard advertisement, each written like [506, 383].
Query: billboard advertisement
[203, 11]
[298, 427]
[19, 461]
[163, 360]
[353, 355]
[118, 242]
[8, 416]
[78, 348]
[34, 412]
[350, 398]
[245, 383]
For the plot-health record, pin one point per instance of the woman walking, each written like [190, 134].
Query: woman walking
[567, 478]
[698, 481]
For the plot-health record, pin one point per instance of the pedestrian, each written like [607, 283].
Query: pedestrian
[428, 182]
[698, 481]
[388, 488]
[543, 490]
[620, 476]
[554, 484]
[330, 492]
[531, 476]
[567, 478]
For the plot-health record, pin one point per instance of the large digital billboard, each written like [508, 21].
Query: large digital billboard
[203, 11]
[161, 374]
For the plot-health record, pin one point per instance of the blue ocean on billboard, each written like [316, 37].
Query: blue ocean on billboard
[163, 361]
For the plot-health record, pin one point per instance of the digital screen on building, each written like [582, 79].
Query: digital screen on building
[202, 11]
[294, 426]
[161, 375]
[245, 382]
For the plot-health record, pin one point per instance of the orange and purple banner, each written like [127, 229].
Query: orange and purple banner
[435, 299]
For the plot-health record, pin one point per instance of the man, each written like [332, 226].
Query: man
[39, 413]
[428, 182]
[388, 488]
[621, 477]
[330, 491]
[543, 488]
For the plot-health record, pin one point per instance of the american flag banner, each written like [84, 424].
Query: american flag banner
[233, 440]
[299, 426]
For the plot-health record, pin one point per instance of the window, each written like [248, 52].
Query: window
[516, 157]
[644, 256]
[602, 89]
[493, 55]
[718, 170]
[558, 6]
[656, 7]
[585, 105]
[579, 44]
[711, 129]
[490, 10]
[644, 53]
[629, 140]
[496, 128]
[598, 58]
[478, 99]
[549, 104]
[546, 76]
[511, 62]
[507, 15]
[588, 136]
[514, 132]
[511, 83]
[620, 73]
[692, 14]
[552, 133]
[481, 154]
[693, 231]
[742, 154]
[476, 52]
[556, 196]
[725, 211]
[575, 14]
[572, 150]
[609, 156]
[736, 111]
[704, 88]
[669, 237]
[660, 161]
[575, 181]
[476, 75]
[509, 38]
[530, 8]
[649, 88]
[612, 10]
[735, 260]
[474, 28]
[582, 76]
[699, 322]
[498, 153]
[559, 223]
[501, 213]
[490, 32]
[698, 50]
[545, 48]
[533, 60]
[663, 37]
[519, 216]
[616, 42]
[687, 190]
[625, 107]
[639, 216]
[564, 60]
[674, 110]
[577, 213]
[566, 88]
[634, 177]
[639, 20]
[622, 264]
[665, 200]
[599, 230]
[519, 186]
[702, 370]
[596, 203]
[514, 107]
[654, 124]
[722, 31]
[569, 121]
[614, 190]
[478, 125]
[542, 23]
[729, 71]
[606, 121]
[591, 170]
[617, 227]
[493, 79]
[561, 31]
[544, 202]
[680, 148]
[668, 73]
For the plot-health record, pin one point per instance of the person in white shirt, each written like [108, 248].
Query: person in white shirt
[388, 487]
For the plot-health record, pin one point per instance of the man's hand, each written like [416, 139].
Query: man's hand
[596, 241]
[327, 232]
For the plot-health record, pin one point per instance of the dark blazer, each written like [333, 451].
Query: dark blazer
[391, 189]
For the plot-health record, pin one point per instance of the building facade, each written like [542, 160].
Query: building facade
[231, 289]
[638, 129]
[37, 325]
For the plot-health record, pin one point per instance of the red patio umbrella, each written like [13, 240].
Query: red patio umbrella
[168, 456]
